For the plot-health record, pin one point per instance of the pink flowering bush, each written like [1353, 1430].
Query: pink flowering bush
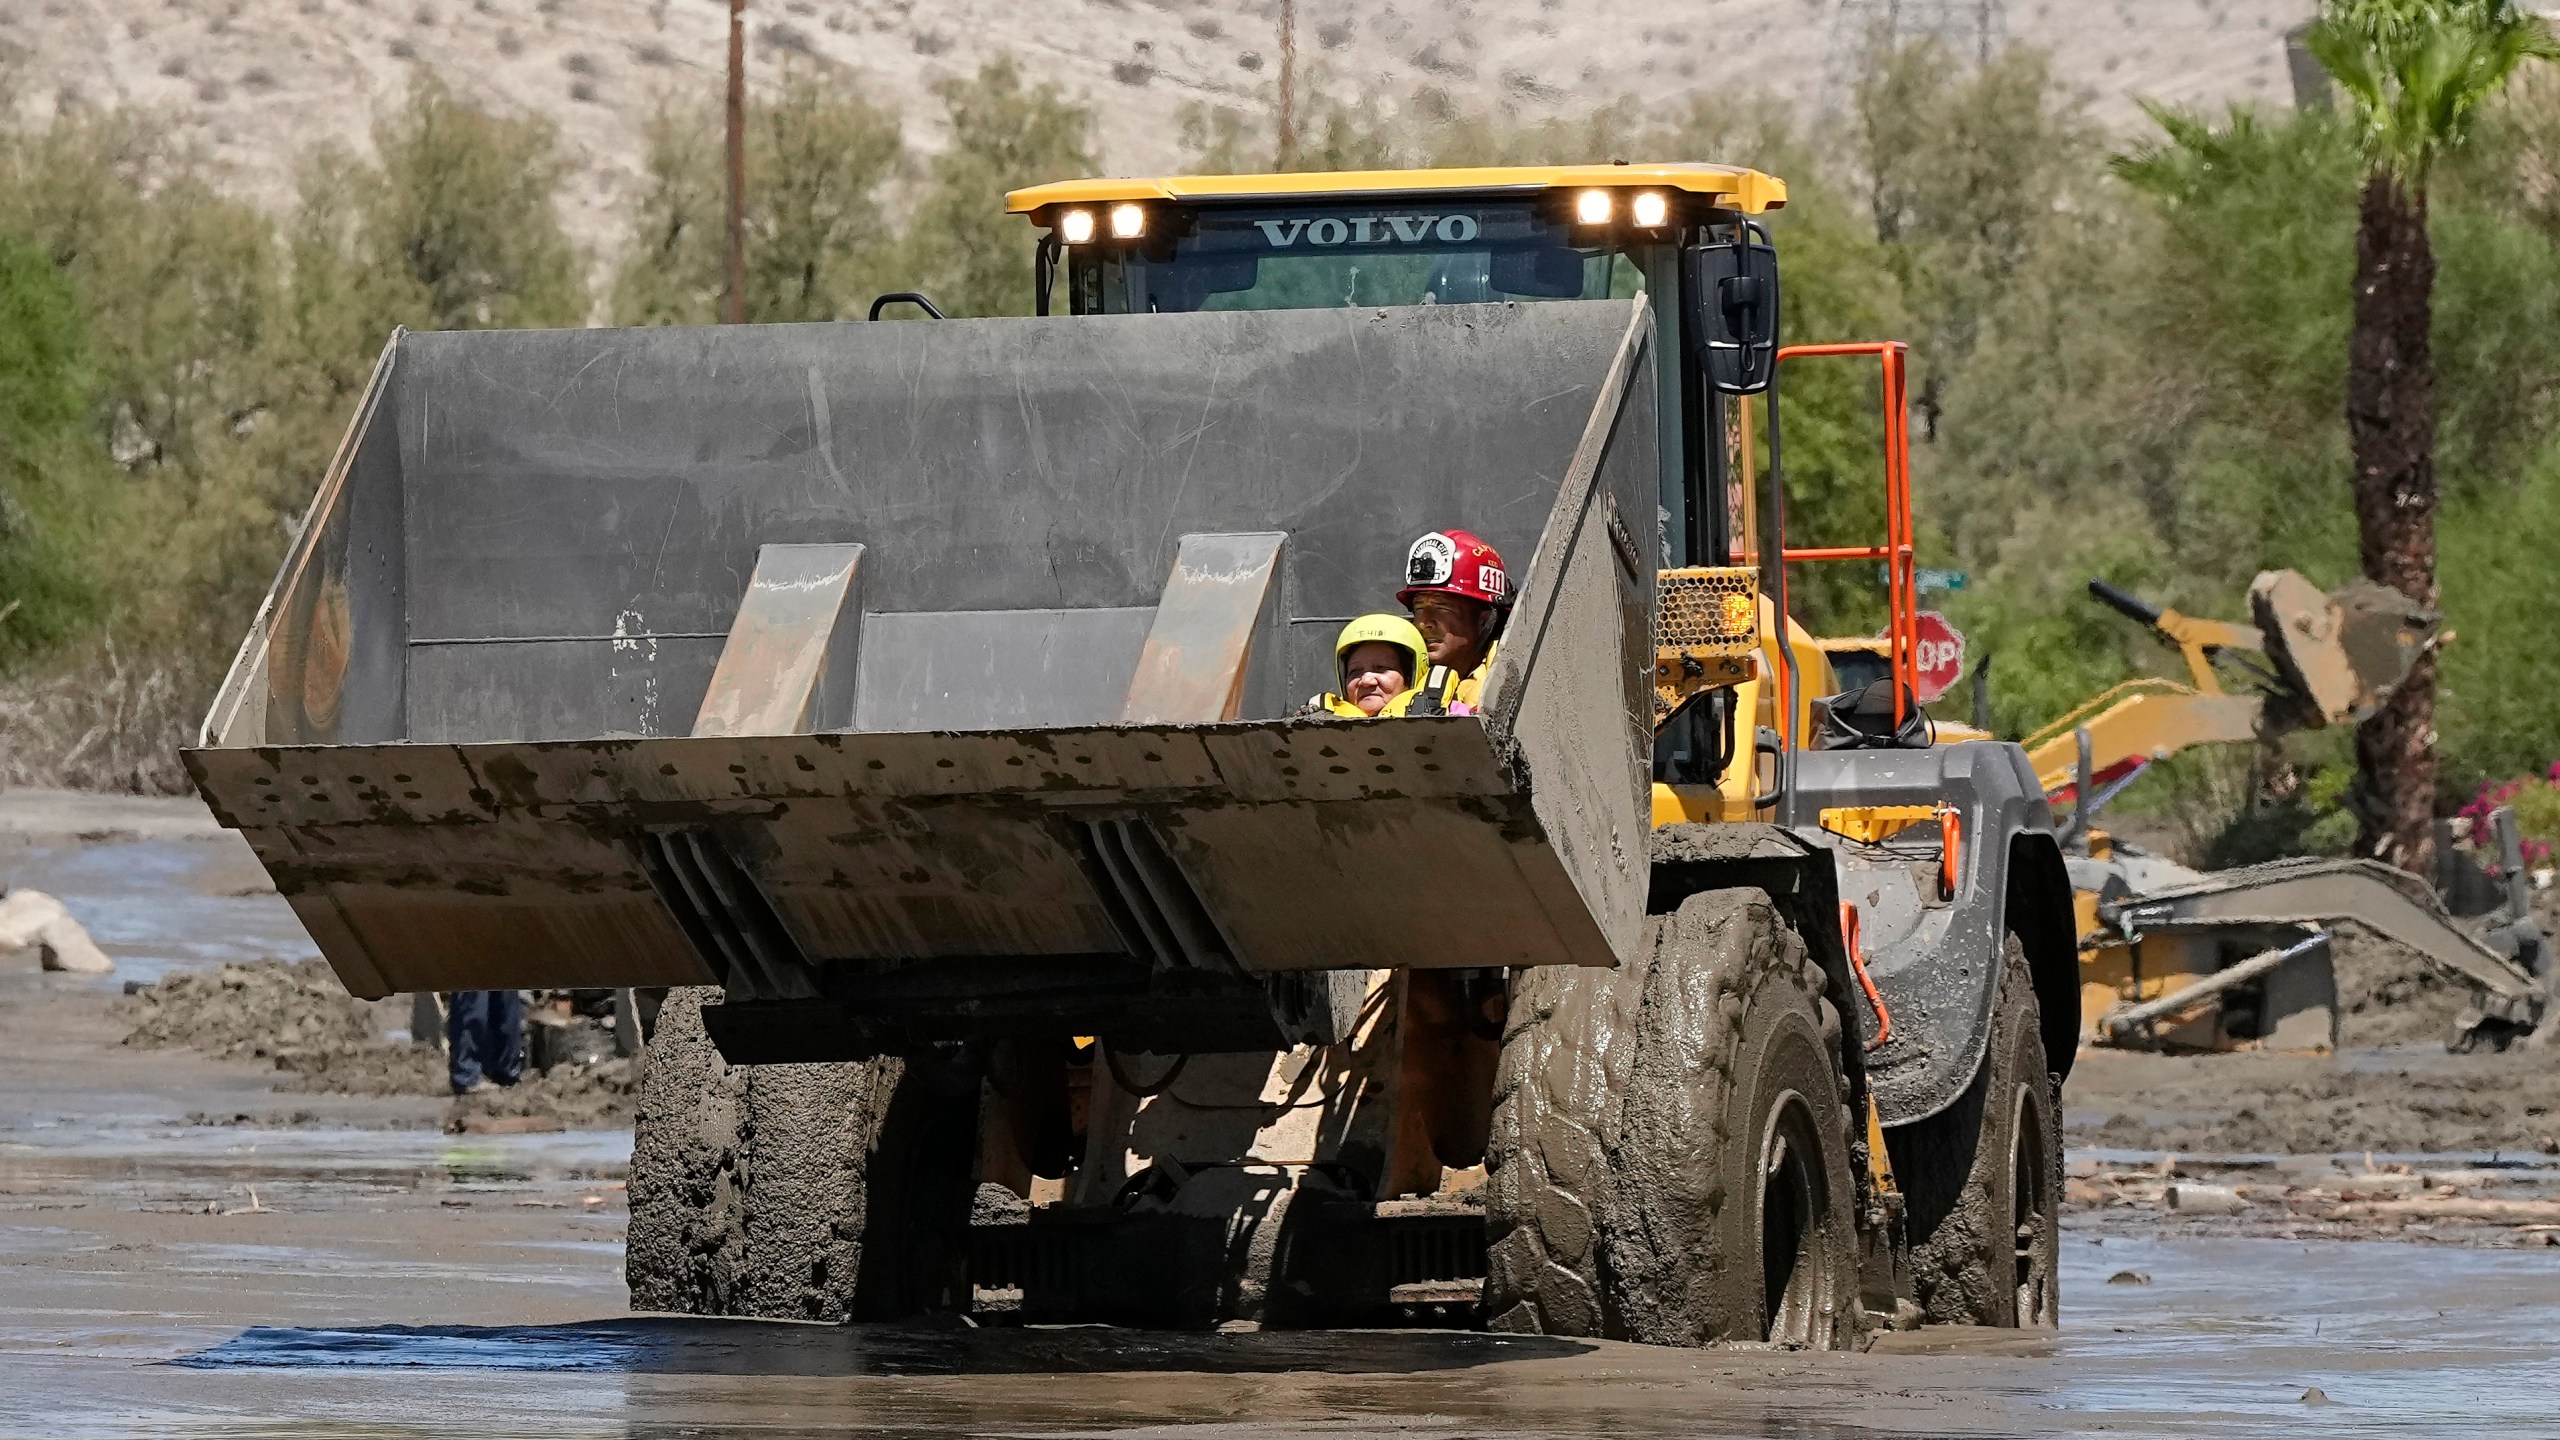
[2536, 801]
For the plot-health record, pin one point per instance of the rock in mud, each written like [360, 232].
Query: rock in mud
[33, 918]
[66, 948]
[24, 914]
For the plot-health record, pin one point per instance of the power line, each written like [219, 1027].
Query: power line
[734, 267]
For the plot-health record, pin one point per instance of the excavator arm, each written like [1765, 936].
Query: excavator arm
[2133, 724]
[2391, 903]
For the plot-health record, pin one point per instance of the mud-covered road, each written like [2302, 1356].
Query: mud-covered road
[195, 1246]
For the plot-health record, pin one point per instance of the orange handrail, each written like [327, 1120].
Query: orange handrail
[1851, 941]
[1899, 552]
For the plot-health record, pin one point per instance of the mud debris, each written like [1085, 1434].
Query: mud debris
[326, 1041]
[2193, 1199]
[2310, 1197]
[292, 1014]
[2386, 996]
[602, 1096]
[2414, 1099]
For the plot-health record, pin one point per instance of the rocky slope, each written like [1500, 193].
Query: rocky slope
[259, 81]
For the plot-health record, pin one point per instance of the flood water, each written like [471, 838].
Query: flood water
[170, 1270]
[404, 1283]
[155, 882]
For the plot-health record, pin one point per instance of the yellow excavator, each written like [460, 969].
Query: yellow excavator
[2176, 958]
[2307, 660]
[2180, 959]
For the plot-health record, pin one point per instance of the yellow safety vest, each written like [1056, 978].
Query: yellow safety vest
[1462, 690]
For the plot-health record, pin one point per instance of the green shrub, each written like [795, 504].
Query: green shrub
[819, 232]
[459, 222]
[45, 591]
[963, 249]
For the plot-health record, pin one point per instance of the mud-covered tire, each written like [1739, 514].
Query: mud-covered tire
[1652, 1127]
[1983, 1177]
[803, 1192]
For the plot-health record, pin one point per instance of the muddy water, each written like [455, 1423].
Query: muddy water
[2225, 1339]
[160, 905]
[156, 882]
[392, 1282]
[328, 1266]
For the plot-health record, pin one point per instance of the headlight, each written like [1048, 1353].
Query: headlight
[1649, 209]
[1075, 227]
[1592, 207]
[1128, 222]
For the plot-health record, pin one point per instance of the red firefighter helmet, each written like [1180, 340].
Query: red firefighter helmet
[1455, 562]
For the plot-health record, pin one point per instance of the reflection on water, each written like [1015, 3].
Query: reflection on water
[2225, 1338]
[670, 1345]
[159, 1152]
[422, 1347]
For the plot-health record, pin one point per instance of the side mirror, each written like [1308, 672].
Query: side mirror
[1733, 313]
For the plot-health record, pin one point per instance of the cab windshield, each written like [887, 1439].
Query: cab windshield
[1392, 252]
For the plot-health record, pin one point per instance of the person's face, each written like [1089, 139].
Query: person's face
[1372, 675]
[1452, 628]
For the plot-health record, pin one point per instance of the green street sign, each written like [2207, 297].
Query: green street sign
[1931, 579]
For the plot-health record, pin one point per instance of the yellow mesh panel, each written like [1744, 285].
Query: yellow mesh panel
[1708, 611]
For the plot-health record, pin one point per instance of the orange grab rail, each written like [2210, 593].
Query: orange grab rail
[1899, 550]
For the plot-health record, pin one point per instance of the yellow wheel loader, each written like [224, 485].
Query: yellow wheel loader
[915, 702]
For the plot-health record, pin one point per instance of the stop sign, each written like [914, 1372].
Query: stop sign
[1940, 656]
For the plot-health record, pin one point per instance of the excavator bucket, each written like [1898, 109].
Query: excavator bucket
[2341, 654]
[785, 656]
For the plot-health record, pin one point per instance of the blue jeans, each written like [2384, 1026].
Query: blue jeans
[484, 1031]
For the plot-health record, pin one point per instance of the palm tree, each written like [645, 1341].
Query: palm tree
[2415, 74]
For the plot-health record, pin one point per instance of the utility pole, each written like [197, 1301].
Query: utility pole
[737, 258]
[1288, 147]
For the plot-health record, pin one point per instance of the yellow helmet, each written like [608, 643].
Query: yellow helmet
[1382, 630]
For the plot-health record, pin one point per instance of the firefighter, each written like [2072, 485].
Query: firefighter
[1459, 595]
[1376, 659]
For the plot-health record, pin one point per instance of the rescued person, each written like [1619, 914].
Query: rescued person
[1376, 659]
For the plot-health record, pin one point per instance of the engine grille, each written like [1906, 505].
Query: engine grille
[1707, 611]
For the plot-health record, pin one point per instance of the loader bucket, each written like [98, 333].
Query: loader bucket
[767, 656]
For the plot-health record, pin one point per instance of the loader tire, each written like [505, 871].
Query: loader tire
[1983, 1177]
[685, 1248]
[801, 1192]
[1669, 1160]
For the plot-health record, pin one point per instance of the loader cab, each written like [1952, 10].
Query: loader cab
[1490, 236]
[1732, 665]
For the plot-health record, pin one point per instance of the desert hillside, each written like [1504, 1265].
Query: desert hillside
[259, 80]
